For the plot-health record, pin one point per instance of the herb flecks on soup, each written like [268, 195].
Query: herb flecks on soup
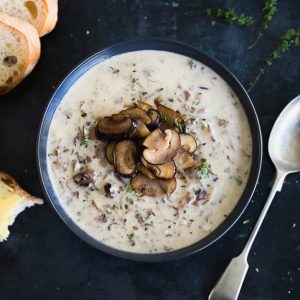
[101, 183]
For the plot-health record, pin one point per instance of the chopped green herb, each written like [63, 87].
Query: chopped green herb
[203, 169]
[192, 64]
[83, 114]
[131, 239]
[269, 10]
[178, 123]
[84, 139]
[128, 188]
[290, 38]
[159, 90]
[230, 16]
[246, 221]
[134, 80]
[134, 227]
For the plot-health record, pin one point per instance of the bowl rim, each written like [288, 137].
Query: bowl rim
[169, 46]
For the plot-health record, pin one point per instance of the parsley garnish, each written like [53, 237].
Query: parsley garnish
[269, 10]
[134, 227]
[203, 169]
[83, 114]
[128, 188]
[290, 38]
[230, 16]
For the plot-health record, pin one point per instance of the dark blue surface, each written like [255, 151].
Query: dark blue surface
[44, 260]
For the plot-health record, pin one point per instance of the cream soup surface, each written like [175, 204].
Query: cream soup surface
[142, 224]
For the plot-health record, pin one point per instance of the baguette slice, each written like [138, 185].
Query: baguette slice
[42, 14]
[13, 200]
[19, 51]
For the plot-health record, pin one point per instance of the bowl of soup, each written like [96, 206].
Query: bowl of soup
[103, 192]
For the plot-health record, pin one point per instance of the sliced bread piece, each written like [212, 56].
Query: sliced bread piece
[13, 200]
[42, 14]
[19, 51]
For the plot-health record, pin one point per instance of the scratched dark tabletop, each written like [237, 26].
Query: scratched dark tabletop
[43, 259]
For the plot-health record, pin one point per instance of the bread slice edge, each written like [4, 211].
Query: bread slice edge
[33, 44]
[51, 10]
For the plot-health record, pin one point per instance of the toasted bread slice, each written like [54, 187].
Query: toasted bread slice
[42, 14]
[19, 51]
[13, 200]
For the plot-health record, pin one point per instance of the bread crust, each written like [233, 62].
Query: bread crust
[50, 8]
[7, 179]
[29, 34]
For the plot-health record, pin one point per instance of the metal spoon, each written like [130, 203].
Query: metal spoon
[284, 150]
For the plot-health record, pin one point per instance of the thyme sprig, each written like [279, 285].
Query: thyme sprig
[269, 10]
[290, 38]
[84, 138]
[230, 16]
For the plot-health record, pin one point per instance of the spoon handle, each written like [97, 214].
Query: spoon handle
[230, 283]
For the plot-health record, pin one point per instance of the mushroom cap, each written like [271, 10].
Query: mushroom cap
[125, 158]
[188, 142]
[183, 160]
[164, 171]
[152, 187]
[161, 147]
[110, 129]
[134, 113]
[156, 118]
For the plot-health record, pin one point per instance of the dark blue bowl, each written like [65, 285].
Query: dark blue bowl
[171, 46]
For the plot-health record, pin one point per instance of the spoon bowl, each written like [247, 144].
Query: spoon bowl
[284, 142]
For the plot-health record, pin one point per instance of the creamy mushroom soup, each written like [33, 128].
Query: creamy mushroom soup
[106, 207]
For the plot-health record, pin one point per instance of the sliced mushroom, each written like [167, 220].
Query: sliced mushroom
[161, 148]
[109, 152]
[183, 160]
[141, 130]
[134, 113]
[111, 129]
[152, 187]
[125, 158]
[169, 116]
[146, 171]
[188, 142]
[144, 105]
[154, 139]
[164, 171]
[155, 118]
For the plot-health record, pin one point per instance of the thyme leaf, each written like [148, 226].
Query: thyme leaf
[290, 38]
[203, 169]
[129, 188]
[230, 16]
[84, 139]
[269, 10]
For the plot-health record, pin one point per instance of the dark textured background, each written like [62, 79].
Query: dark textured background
[43, 260]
